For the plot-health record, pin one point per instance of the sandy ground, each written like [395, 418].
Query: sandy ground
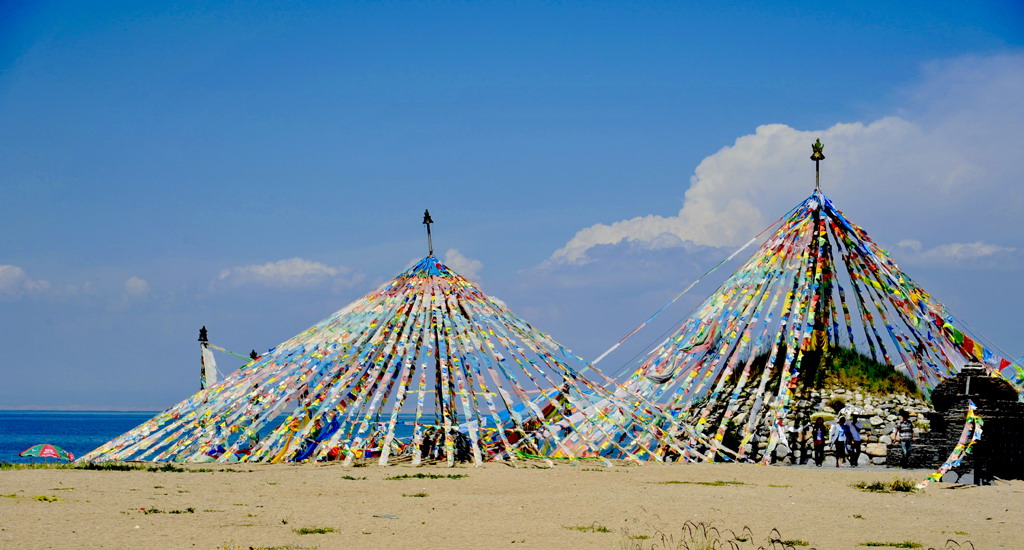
[493, 506]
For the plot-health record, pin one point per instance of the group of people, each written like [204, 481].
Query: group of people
[846, 440]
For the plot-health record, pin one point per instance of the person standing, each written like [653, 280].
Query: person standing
[853, 441]
[982, 476]
[905, 437]
[838, 436]
[818, 435]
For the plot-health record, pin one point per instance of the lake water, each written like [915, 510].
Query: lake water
[76, 431]
[82, 431]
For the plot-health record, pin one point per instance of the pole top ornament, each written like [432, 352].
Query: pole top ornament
[816, 150]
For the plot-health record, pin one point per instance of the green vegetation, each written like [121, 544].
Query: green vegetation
[791, 542]
[353, 478]
[424, 476]
[842, 367]
[904, 544]
[12, 495]
[44, 498]
[592, 528]
[851, 369]
[895, 486]
[716, 483]
[314, 530]
[417, 495]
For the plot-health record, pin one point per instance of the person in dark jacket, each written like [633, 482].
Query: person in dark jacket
[819, 434]
[853, 441]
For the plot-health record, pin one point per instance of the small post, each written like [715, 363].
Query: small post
[427, 221]
[817, 156]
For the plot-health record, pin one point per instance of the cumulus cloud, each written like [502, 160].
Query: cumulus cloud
[14, 282]
[290, 273]
[948, 166]
[136, 287]
[467, 267]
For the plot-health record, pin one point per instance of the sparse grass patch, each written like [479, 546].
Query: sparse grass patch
[416, 495]
[314, 530]
[858, 516]
[104, 467]
[44, 498]
[692, 535]
[779, 486]
[285, 547]
[425, 476]
[716, 483]
[904, 544]
[112, 467]
[148, 511]
[28, 466]
[895, 486]
[12, 495]
[791, 542]
[592, 528]
[351, 478]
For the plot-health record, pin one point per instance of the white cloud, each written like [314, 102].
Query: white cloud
[467, 267]
[14, 282]
[290, 273]
[136, 287]
[952, 253]
[951, 166]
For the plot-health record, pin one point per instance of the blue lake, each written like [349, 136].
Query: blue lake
[76, 431]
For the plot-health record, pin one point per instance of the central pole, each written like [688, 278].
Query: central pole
[430, 241]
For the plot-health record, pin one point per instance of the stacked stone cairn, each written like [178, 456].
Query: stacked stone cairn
[998, 405]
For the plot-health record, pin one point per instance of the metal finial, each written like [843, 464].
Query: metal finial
[203, 338]
[817, 156]
[427, 221]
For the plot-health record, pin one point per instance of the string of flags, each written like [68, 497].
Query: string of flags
[970, 435]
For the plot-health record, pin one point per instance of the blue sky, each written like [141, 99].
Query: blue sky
[256, 166]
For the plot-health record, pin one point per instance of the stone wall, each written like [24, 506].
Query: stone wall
[1002, 442]
[876, 415]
